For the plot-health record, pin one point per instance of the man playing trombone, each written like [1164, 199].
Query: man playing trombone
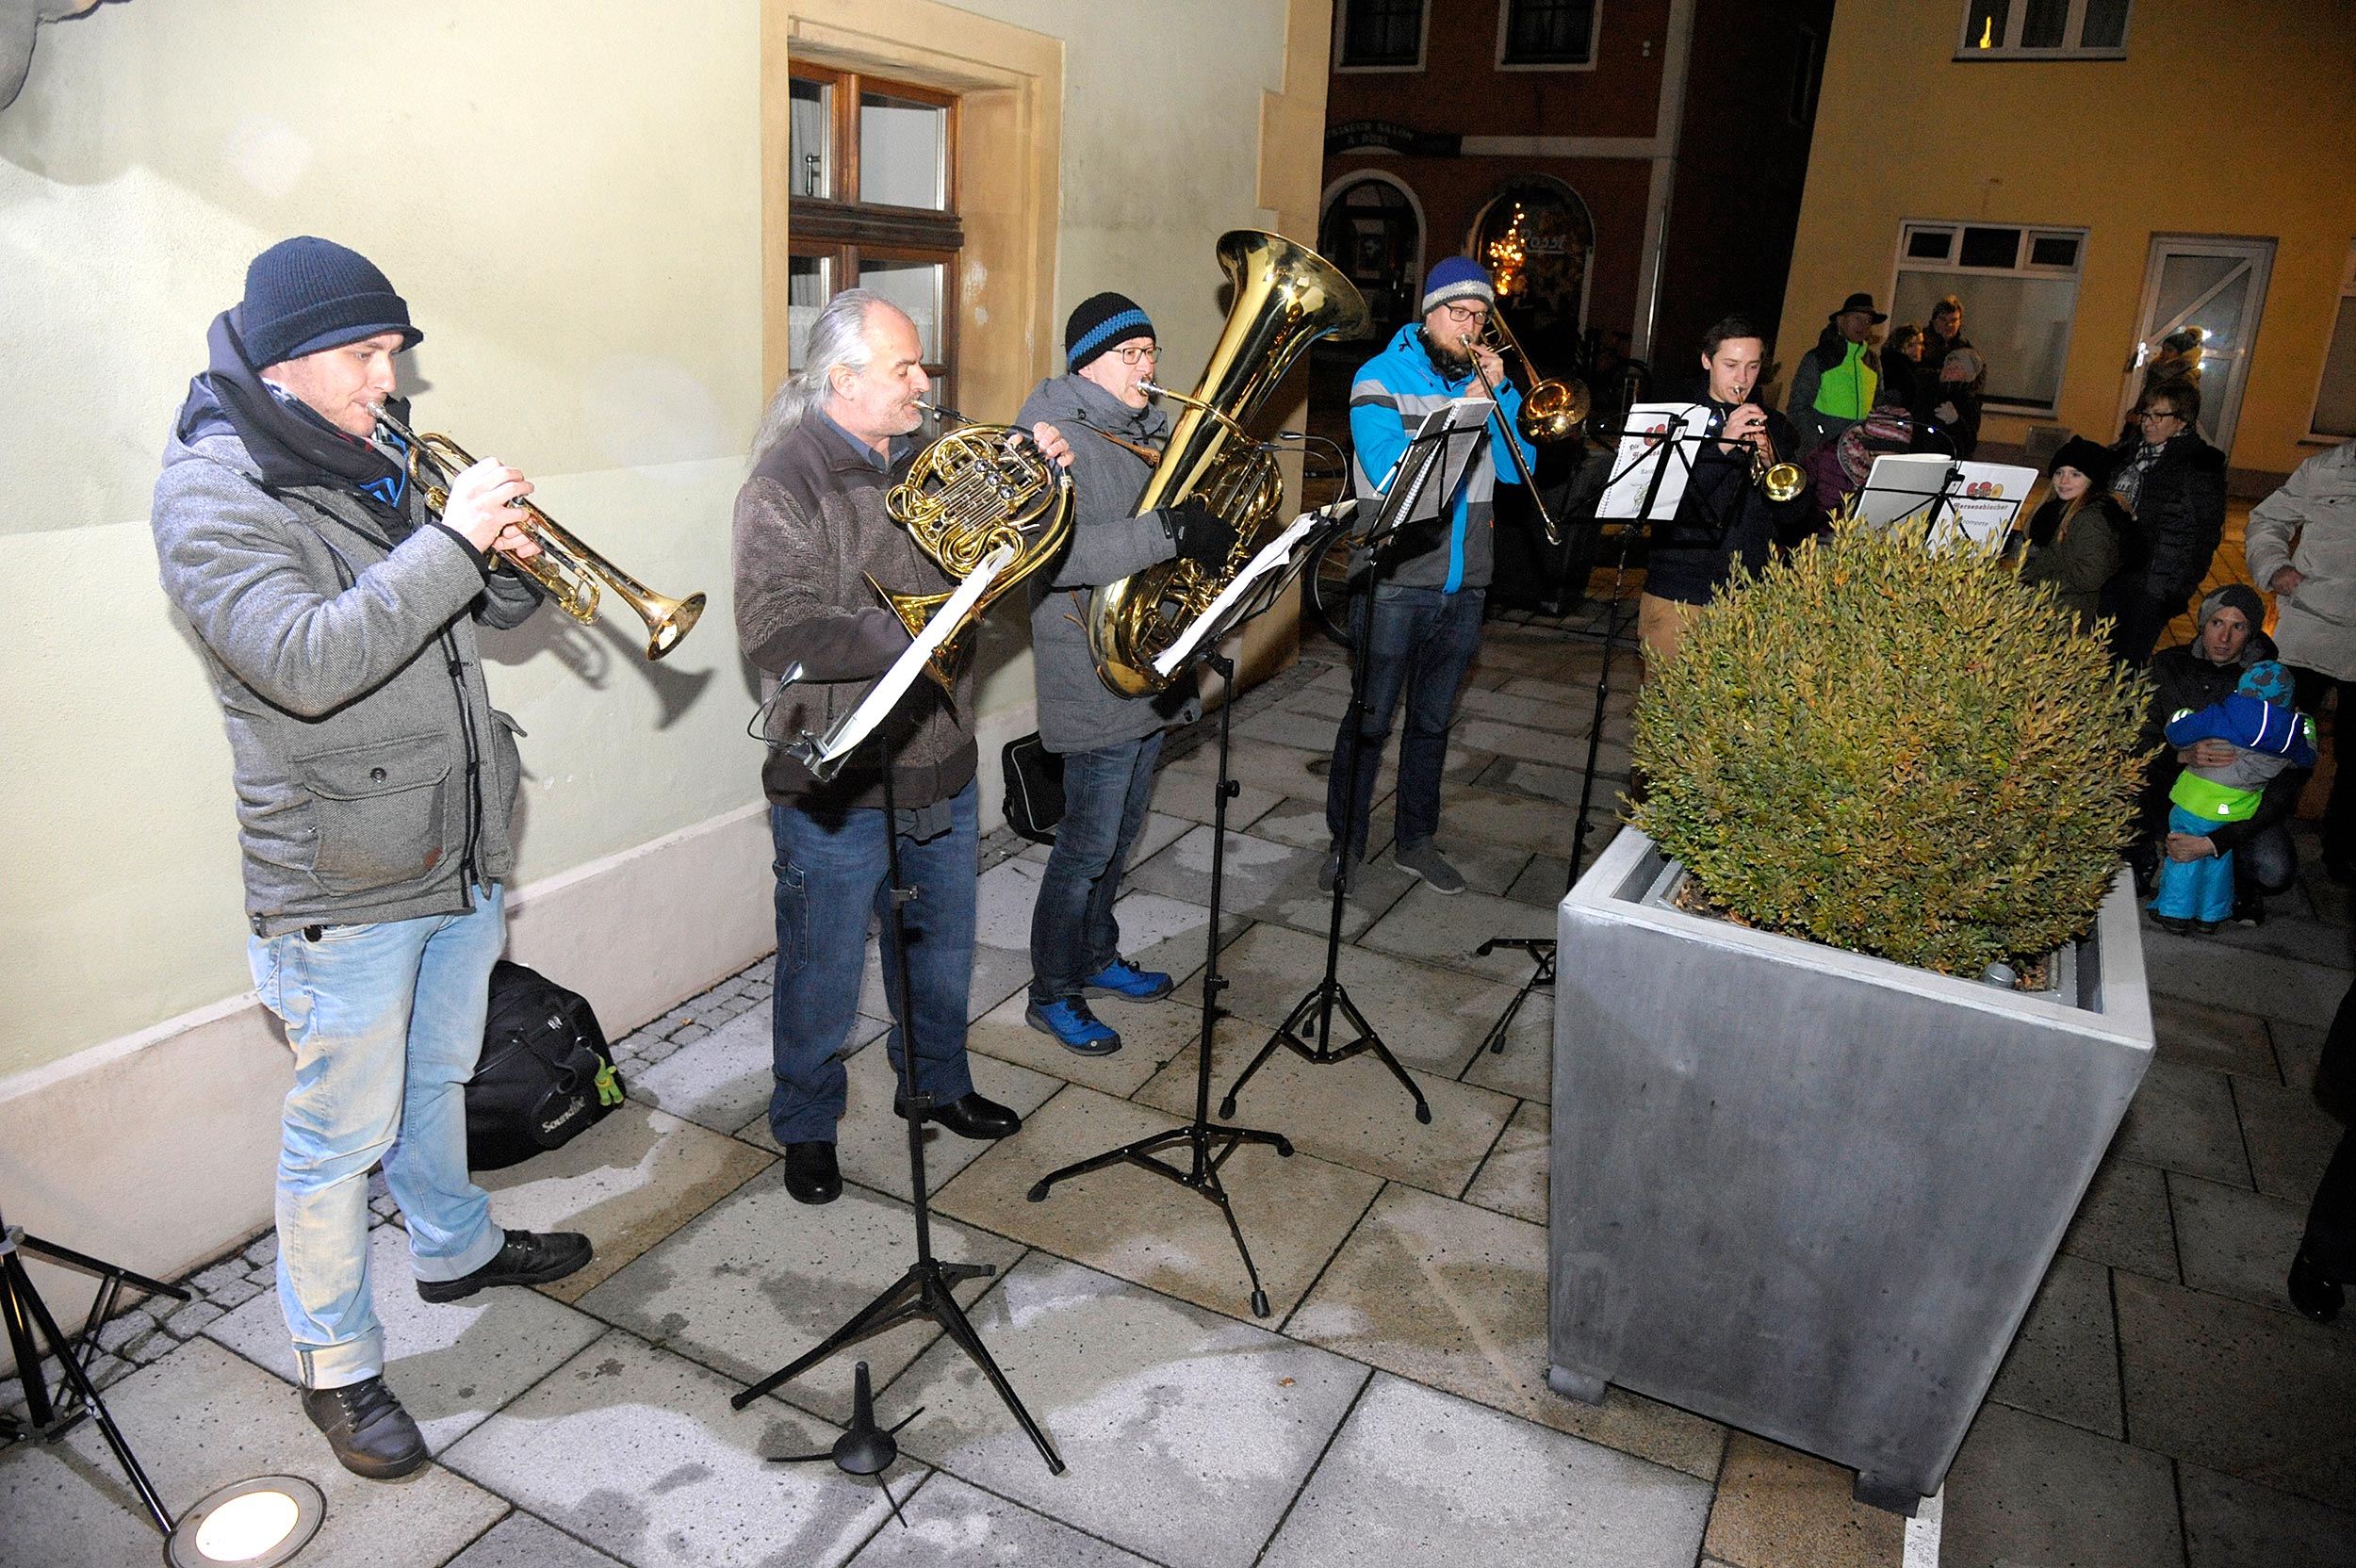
[1424, 621]
[374, 784]
[810, 536]
[1108, 743]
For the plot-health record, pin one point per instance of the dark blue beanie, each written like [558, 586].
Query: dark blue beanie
[305, 294]
[1457, 278]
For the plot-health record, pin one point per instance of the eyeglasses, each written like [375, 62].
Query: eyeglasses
[1150, 354]
[1466, 316]
[2158, 413]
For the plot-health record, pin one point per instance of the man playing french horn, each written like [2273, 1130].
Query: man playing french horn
[810, 535]
[1108, 743]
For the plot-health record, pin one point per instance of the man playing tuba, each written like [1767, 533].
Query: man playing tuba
[810, 534]
[1108, 743]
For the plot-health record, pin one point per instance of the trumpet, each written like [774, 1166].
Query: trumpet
[1553, 410]
[568, 570]
[1781, 481]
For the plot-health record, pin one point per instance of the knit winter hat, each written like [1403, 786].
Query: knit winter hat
[2089, 459]
[2235, 596]
[2268, 682]
[305, 294]
[1457, 278]
[1099, 322]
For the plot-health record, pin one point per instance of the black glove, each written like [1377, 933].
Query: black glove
[1202, 534]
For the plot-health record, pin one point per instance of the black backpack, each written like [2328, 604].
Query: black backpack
[1034, 802]
[546, 1073]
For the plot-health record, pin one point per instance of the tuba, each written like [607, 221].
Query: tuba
[568, 570]
[973, 491]
[1285, 298]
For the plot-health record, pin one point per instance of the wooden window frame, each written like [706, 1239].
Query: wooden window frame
[1505, 29]
[2008, 48]
[1341, 35]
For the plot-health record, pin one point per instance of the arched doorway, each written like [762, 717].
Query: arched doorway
[1537, 241]
[1373, 231]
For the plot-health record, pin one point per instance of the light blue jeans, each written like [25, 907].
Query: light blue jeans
[387, 1025]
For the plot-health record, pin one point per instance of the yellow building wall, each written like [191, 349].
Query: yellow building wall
[2225, 119]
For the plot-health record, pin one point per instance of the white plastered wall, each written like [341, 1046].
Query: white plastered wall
[567, 193]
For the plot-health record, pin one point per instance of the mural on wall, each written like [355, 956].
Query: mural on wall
[18, 21]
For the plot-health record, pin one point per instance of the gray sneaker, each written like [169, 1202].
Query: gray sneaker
[1331, 872]
[1426, 861]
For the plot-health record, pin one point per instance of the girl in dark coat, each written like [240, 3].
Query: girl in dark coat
[2074, 538]
[1957, 372]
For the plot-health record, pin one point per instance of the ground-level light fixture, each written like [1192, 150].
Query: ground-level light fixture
[258, 1523]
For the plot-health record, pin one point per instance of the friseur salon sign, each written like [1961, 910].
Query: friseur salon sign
[1392, 138]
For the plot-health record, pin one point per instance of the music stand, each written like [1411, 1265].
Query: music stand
[1210, 1143]
[927, 1289]
[26, 1314]
[1442, 447]
[1671, 440]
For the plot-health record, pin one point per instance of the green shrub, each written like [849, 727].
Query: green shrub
[1899, 752]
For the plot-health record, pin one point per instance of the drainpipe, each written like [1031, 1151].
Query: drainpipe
[1667, 127]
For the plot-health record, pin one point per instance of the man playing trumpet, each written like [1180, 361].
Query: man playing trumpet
[374, 784]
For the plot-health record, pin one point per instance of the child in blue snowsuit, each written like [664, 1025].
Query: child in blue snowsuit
[2258, 717]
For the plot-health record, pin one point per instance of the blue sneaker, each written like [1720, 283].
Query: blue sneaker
[1076, 1028]
[1120, 978]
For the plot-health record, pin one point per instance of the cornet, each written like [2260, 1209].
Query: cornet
[568, 570]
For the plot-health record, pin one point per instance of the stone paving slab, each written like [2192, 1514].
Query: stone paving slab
[872, 1140]
[2026, 1490]
[2289, 1137]
[2182, 1119]
[2204, 1036]
[1187, 1433]
[1778, 1508]
[200, 1419]
[952, 1524]
[2123, 1220]
[2201, 970]
[636, 1451]
[2237, 1243]
[451, 1364]
[1188, 798]
[1138, 1226]
[1514, 1179]
[1418, 1478]
[1455, 1297]
[1263, 878]
[626, 1183]
[1354, 1113]
[2254, 1392]
[723, 1080]
[2064, 1363]
[1151, 1035]
[759, 1279]
[1441, 929]
[2236, 1524]
[521, 1541]
[1525, 1068]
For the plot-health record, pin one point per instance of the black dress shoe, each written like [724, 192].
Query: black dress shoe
[371, 1434]
[2311, 1293]
[530, 1258]
[810, 1174]
[970, 1117]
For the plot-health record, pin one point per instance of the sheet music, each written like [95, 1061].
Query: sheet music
[1980, 505]
[1272, 557]
[1641, 452]
[824, 755]
[1447, 442]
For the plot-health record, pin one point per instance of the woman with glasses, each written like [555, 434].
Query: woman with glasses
[1108, 744]
[1960, 373]
[2174, 484]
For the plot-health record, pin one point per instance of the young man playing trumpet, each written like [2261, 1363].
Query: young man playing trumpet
[1426, 615]
[374, 783]
[1108, 743]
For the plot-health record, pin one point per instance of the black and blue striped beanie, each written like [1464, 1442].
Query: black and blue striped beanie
[1103, 321]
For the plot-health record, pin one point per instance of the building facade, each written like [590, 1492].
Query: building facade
[2090, 177]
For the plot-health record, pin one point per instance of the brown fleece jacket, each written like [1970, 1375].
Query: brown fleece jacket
[810, 529]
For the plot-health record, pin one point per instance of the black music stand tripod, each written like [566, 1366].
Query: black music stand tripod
[49, 1418]
[1208, 1143]
[1542, 949]
[1312, 1017]
[925, 1291]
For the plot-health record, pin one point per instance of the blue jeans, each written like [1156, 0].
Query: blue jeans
[387, 1025]
[1420, 643]
[1074, 934]
[831, 877]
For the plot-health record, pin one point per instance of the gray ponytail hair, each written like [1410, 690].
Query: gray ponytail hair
[838, 336]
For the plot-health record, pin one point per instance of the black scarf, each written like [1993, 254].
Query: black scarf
[288, 441]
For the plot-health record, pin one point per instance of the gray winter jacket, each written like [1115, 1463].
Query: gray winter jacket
[373, 777]
[1077, 710]
[2310, 524]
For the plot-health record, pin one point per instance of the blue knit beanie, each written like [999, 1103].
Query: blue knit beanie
[1457, 278]
[305, 294]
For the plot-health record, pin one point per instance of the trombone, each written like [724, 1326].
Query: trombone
[1471, 342]
[1553, 410]
[568, 570]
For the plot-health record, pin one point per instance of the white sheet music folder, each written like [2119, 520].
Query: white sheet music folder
[824, 755]
[1273, 558]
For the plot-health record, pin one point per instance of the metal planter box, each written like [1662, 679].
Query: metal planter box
[1810, 1193]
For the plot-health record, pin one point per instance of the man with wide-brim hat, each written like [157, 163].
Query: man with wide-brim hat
[1833, 385]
